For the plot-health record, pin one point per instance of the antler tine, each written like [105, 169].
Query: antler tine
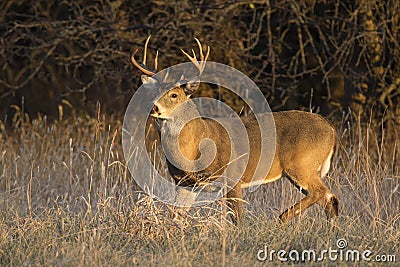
[201, 66]
[207, 54]
[192, 59]
[156, 61]
[142, 66]
[200, 48]
[145, 50]
[166, 76]
[202, 58]
[137, 65]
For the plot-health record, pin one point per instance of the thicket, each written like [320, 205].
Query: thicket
[330, 55]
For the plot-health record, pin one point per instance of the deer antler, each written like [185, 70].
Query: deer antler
[202, 64]
[142, 67]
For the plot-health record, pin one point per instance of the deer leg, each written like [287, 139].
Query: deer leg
[330, 203]
[234, 202]
[316, 192]
[298, 208]
[184, 199]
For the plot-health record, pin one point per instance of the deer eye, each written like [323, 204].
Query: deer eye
[174, 95]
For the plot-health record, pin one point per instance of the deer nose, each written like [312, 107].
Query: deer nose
[155, 109]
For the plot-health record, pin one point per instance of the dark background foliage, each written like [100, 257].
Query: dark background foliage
[65, 56]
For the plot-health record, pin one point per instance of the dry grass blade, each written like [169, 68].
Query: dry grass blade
[47, 218]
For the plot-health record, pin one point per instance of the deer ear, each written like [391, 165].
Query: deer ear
[191, 87]
[148, 80]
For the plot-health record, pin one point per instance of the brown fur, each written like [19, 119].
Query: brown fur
[304, 145]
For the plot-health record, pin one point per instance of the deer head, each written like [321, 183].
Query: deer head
[180, 91]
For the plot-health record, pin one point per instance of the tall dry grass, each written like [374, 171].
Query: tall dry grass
[67, 198]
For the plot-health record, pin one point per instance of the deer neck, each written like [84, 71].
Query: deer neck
[174, 125]
[188, 133]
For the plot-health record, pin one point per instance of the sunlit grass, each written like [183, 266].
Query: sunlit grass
[67, 198]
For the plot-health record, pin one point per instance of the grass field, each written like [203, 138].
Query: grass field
[67, 198]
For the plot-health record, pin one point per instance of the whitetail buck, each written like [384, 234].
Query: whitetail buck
[305, 143]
